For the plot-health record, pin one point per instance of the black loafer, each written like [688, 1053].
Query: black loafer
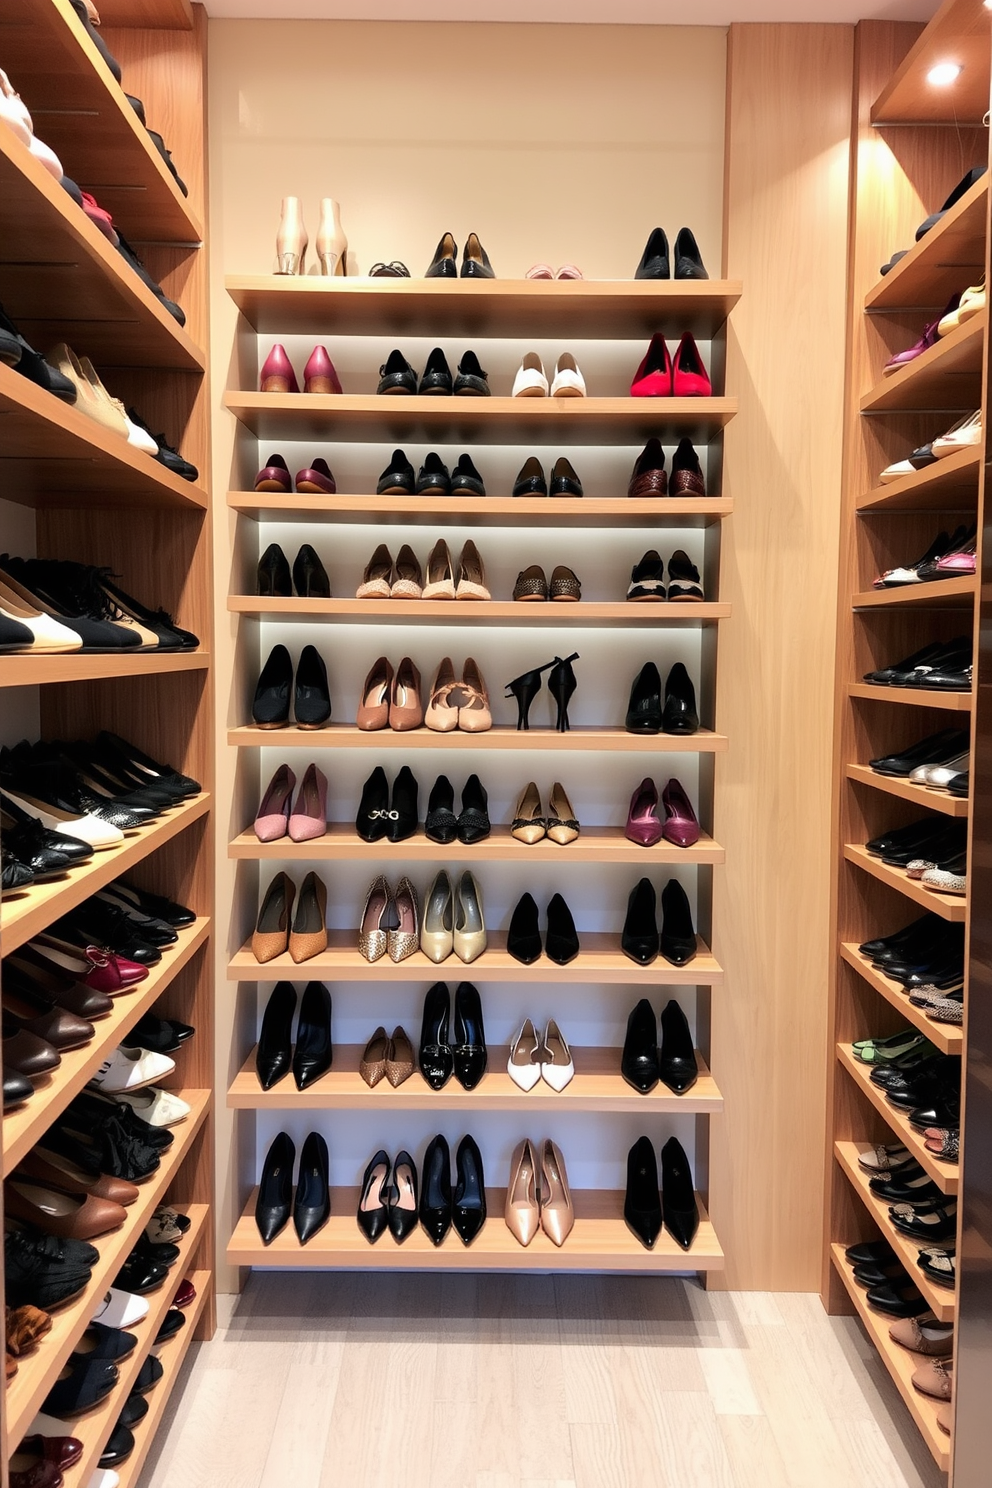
[396, 376]
[118, 1449]
[436, 377]
[897, 1301]
[399, 477]
[471, 381]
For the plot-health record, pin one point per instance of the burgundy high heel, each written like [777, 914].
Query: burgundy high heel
[277, 372]
[319, 375]
[681, 826]
[643, 822]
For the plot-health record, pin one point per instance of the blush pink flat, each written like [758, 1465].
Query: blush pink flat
[273, 813]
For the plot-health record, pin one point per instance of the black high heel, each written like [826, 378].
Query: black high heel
[525, 689]
[273, 573]
[561, 685]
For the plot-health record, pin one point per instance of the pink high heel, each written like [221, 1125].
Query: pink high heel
[277, 372]
[653, 378]
[273, 813]
[681, 826]
[319, 375]
[309, 816]
[643, 822]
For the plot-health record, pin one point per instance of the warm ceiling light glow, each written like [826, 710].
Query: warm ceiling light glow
[944, 73]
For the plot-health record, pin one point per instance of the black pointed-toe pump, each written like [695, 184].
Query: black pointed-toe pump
[273, 1053]
[312, 1208]
[275, 1191]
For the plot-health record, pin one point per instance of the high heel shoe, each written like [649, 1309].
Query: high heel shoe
[525, 689]
[311, 699]
[273, 812]
[436, 1057]
[270, 708]
[523, 939]
[435, 1191]
[403, 1198]
[468, 1048]
[273, 574]
[312, 1207]
[441, 824]
[528, 825]
[644, 714]
[468, 1205]
[689, 377]
[308, 936]
[437, 931]
[557, 1210]
[444, 264]
[277, 375]
[475, 260]
[403, 813]
[678, 938]
[522, 1209]
[469, 927]
[314, 1052]
[441, 715]
[373, 1208]
[679, 715]
[372, 932]
[677, 1193]
[561, 685]
[642, 1200]
[406, 711]
[681, 826]
[561, 944]
[373, 710]
[319, 375]
[372, 820]
[275, 1189]
[291, 238]
[474, 714]
[677, 1058]
[332, 245]
[643, 822]
[473, 823]
[561, 822]
[273, 1053]
[404, 938]
[271, 935]
[308, 818]
[639, 939]
[310, 575]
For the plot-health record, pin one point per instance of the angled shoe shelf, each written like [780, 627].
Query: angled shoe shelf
[155, 15]
[914, 697]
[958, 594]
[347, 736]
[945, 378]
[936, 266]
[947, 1037]
[486, 511]
[24, 670]
[920, 795]
[951, 907]
[495, 612]
[944, 1174]
[951, 485]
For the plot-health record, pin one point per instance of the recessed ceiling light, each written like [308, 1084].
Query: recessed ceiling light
[944, 73]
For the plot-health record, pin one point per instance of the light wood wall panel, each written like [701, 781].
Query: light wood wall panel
[787, 168]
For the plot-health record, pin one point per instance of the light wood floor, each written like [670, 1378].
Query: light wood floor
[461, 1381]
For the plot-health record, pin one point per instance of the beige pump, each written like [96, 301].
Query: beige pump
[332, 245]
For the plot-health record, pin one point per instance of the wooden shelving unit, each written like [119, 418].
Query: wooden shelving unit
[278, 307]
[94, 498]
[897, 180]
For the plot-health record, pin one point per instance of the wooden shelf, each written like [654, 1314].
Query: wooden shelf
[948, 486]
[613, 308]
[920, 795]
[24, 1126]
[944, 1174]
[94, 1428]
[61, 76]
[574, 421]
[940, 594]
[341, 843]
[38, 1372]
[959, 32]
[486, 511]
[900, 1363]
[26, 670]
[939, 264]
[916, 697]
[600, 1241]
[25, 914]
[942, 1301]
[347, 736]
[62, 280]
[597, 1086]
[600, 960]
[479, 612]
[55, 456]
[947, 1037]
[156, 15]
[946, 377]
[953, 907]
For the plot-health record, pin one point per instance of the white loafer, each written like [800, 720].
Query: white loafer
[557, 1068]
[522, 1066]
[120, 1309]
[130, 1069]
[531, 380]
[157, 1107]
[569, 382]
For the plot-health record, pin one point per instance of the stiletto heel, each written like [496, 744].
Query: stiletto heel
[561, 685]
[332, 245]
[291, 238]
[525, 689]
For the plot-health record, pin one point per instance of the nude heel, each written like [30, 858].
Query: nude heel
[291, 238]
[332, 245]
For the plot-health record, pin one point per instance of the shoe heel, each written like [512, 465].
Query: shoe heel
[290, 263]
[276, 384]
[332, 264]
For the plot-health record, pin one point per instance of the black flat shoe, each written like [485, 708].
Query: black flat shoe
[677, 1194]
[523, 939]
[274, 1050]
[642, 1200]
[275, 1190]
[141, 1276]
[655, 260]
[639, 1060]
[561, 944]
[471, 381]
[133, 1410]
[564, 481]
[310, 575]
[273, 573]
[468, 1209]
[870, 1252]
[404, 1203]
[441, 824]
[531, 480]
[678, 938]
[679, 715]
[372, 821]
[468, 1045]
[149, 1376]
[897, 1301]
[473, 822]
[644, 708]
[82, 1384]
[312, 700]
[399, 477]
[475, 260]
[373, 1205]
[172, 1323]
[270, 708]
[639, 939]
[466, 480]
[436, 377]
[444, 263]
[403, 809]
[436, 1058]
[312, 1208]
[396, 376]
[435, 1191]
[433, 478]
[688, 259]
[120, 1445]
[677, 1060]
[314, 1051]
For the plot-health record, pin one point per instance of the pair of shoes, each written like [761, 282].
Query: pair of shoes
[278, 376]
[928, 338]
[535, 1056]
[400, 479]
[932, 753]
[64, 1211]
[965, 434]
[949, 556]
[378, 817]
[649, 478]
[523, 939]
[393, 1205]
[531, 480]
[644, 825]
[390, 922]
[311, 698]
[389, 1198]
[453, 919]
[471, 713]
[275, 1055]
[545, 271]
[464, 1055]
[292, 240]
[529, 826]
[659, 375]
[531, 380]
[404, 580]
[640, 939]
[471, 826]
[309, 574]
[475, 260]
[314, 479]
[311, 1206]
[391, 699]
[84, 602]
[532, 586]
[656, 261]
[943, 665]
[389, 1057]
[561, 685]
[642, 1064]
[645, 712]
[538, 1196]
[647, 579]
[397, 376]
[306, 935]
[278, 815]
[645, 1208]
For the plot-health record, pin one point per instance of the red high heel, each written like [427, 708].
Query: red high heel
[653, 378]
[319, 375]
[277, 372]
[689, 378]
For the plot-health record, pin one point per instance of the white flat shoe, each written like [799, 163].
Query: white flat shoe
[130, 1069]
[531, 380]
[48, 633]
[943, 882]
[120, 1309]
[104, 1477]
[522, 1066]
[157, 1107]
[963, 435]
[568, 382]
[895, 472]
[92, 829]
[557, 1068]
